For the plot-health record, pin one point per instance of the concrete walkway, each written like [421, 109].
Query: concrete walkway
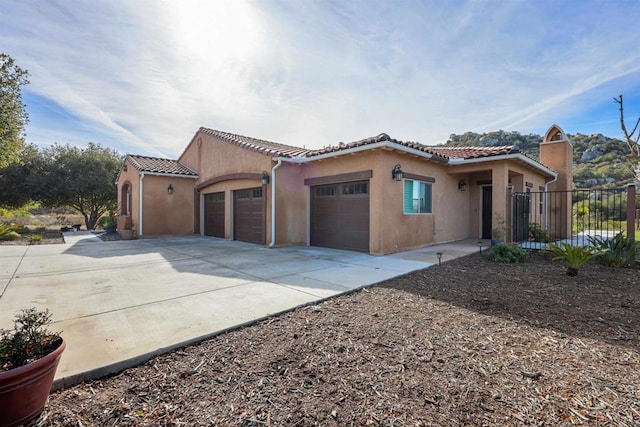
[120, 303]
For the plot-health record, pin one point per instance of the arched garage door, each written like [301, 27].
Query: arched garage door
[340, 216]
[248, 215]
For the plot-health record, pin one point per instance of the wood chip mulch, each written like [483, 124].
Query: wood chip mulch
[470, 342]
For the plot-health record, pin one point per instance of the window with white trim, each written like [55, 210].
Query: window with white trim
[417, 197]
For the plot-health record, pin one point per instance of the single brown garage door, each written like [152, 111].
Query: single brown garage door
[340, 216]
[214, 214]
[248, 215]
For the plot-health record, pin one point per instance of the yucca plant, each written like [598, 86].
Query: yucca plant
[573, 256]
[617, 251]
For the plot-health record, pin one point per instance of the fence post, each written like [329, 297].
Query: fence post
[631, 212]
[631, 220]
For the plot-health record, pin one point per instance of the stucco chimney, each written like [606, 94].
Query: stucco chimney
[556, 152]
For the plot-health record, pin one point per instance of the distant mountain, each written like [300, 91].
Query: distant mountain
[598, 161]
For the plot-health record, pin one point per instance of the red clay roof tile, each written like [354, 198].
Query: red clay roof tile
[269, 148]
[475, 152]
[158, 165]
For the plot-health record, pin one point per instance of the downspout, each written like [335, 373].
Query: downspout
[546, 206]
[140, 207]
[273, 202]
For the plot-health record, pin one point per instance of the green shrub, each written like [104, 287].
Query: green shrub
[34, 239]
[539, 234]
[22, 229]
[617, 251]
[503, 252]
[108, 223]
[573, 256]
[9, 235]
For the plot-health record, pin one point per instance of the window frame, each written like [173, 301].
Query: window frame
[430, 193]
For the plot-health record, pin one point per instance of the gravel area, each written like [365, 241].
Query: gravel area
[470, 342]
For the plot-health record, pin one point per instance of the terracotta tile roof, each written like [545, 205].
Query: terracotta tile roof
[475, 152]
[158, 165]
[442, 153]
[260, 145]
[281, 150]
[380, 138]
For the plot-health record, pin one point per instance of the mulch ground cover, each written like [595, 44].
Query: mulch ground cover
[470, 342]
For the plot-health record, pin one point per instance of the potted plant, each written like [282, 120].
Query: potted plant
[29, 356]
[573, 256]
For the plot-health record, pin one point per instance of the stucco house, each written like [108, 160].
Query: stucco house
[378, 195]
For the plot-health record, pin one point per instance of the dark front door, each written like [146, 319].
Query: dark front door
[487, 212]
[214, 214]
[248, 215]
[340, 216]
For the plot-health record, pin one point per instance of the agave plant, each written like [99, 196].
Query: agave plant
[573, 256]
[9, 231]
[617, 251]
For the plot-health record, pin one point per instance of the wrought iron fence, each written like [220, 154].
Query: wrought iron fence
[540, 218]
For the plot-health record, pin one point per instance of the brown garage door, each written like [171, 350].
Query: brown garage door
[214, 214]
[248, 215]
[340, 216]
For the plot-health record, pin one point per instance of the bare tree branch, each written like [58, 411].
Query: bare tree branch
[632, 139]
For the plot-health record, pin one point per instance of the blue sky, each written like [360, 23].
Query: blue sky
[142, 76]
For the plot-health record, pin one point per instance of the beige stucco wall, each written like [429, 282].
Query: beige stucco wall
[390, 229]
[163, 213]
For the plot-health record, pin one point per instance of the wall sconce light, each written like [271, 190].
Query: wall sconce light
[264, 178]
[397, 173]
[439, 255]
[170, 189]
[462, 185]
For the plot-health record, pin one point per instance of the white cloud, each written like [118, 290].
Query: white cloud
[148, 74]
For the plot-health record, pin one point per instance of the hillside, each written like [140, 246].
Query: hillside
[599, 161]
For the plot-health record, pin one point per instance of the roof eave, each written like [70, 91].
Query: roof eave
[360, 148]
[176, 175]
[517, 156]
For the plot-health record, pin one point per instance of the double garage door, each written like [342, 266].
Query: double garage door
[340, 216]
[248, 215]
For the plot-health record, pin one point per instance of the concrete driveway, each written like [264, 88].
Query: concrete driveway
[119, 303]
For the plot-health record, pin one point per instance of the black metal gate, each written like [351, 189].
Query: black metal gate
[539, 218]
[521, 216]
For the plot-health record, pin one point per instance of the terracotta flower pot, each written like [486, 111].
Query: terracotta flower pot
[24, 390]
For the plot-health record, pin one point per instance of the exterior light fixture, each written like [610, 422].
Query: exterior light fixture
[170, 189]
[264, 178]
[439, 255]
[480, 246]
[462, 185]
[397, 173]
